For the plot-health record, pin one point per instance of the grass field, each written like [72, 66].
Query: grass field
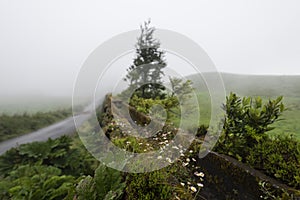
[289, 122]
[266, 86]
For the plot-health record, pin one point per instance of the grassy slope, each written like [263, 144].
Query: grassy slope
[263, 85]
[258, 85]
[290, 122]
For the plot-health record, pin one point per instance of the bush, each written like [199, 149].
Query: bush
[245, 137]
[107, 184]
[57, 153]
[37, 182]
[148, 186]
[44, 170]
[246, 122]
[278, 157]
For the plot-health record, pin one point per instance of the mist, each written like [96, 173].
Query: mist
[44, 44]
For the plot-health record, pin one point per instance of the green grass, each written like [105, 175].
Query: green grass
[289, 122]
[205, 107]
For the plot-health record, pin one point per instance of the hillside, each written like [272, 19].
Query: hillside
[252, 85]
[266, 86]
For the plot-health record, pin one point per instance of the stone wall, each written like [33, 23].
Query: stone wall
[227, 178]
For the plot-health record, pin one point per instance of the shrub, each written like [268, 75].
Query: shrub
[278, 157]
[246, 122]
[148, 186]
[107, 184]
[37, 182]
[57, 153]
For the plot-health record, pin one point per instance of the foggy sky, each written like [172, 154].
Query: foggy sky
[43, 44]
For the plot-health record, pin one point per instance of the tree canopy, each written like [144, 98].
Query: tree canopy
[145, 74]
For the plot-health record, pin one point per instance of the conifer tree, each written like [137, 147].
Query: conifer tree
[145, 74]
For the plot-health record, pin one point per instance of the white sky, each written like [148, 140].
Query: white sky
[44, 43]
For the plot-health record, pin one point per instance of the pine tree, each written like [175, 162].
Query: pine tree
[145, 74]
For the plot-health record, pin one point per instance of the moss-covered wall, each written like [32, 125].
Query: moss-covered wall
[225, 177]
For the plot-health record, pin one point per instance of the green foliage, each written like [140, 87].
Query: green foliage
[246, 123]
[181, 89]
[245, 137]
[145, 73]
[144, 105]
[181, 92]
[242, 113]
[38, 182]
[129, 143]
[164, 183]
[170, 104]
[12, 126]
[44, 170]
[40, 170]
[107, 184]
[172, 182]
[148, 186]
[278, 157]
[86, 189]
[70, 170]
[56, 153]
